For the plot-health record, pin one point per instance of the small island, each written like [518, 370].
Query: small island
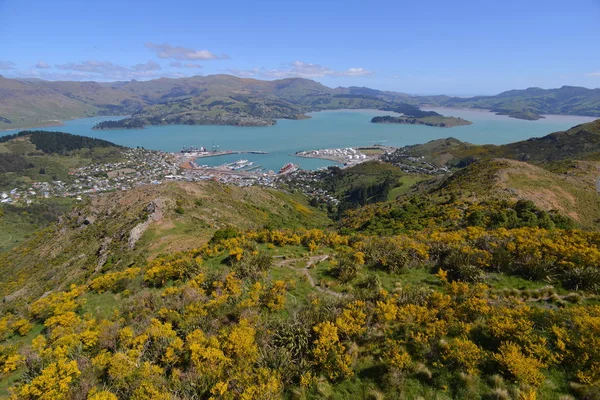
[526, 115]
[437, 121]
[127, 123]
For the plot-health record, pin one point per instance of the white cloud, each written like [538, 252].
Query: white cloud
[165, 51]
[42, 64]
[245, 73]
[92, 66]
[594, 74]
[299, 69]
[192, 65]
[106, 70]
[148, 66]
[178, 64]
[7, 65]
[90, 76]
[356, 72]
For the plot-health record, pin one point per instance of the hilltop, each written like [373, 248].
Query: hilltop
[226, 99]
[558, 172]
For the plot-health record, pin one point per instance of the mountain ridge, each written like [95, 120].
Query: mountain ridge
[227, 99]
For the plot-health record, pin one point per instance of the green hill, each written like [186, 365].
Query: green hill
[115, 229]
[194, 290]
[226, 99]
[572, 190]
[38, 156]
[44, 156]
[582, 142]
[530, 103]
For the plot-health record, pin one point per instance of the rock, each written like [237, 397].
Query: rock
[103, 253]
[155, 209]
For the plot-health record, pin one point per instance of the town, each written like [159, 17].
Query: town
[143, 167]
[140, 167]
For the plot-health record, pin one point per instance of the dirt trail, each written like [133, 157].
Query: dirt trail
[305, 271]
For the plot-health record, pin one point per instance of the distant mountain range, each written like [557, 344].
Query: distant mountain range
[229, 100]
[531, 103]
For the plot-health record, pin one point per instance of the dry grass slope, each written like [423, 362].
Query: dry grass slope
[98, 236]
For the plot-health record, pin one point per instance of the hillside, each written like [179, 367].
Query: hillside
[480, 283]
[531, 103]
[43, 173]
[164, 218]
[226, 99]
[581, 142]
[40, 156]
[215, 99]
[40, 103]
[150, 294]
[572, 191]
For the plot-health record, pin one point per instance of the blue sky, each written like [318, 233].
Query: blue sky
[421, 47]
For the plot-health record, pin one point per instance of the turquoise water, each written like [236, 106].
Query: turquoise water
[326, 129]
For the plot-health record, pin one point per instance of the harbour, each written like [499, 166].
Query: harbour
[274, 146]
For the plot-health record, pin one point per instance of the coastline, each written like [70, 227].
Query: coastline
[483, 111]
[56, 122]
[47, 124]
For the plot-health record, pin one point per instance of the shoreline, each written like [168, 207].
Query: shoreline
[55, 123]
[485, 110]
[49, 124]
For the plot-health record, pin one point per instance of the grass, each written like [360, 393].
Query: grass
[209, 206]
[573, 197]
[300, 293]
[18, 223]
[323, 275]
[406, 182]
[7, 382]
[100, 305]
[502, 281]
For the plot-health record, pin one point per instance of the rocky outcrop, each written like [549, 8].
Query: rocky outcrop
[155, 213]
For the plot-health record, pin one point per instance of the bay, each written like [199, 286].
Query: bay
[326, 129]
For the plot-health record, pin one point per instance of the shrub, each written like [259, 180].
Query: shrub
[582, 278]
[224, 233]
[460, 266]
[348, 266]
[516, 365]
[175, 266]
[114, 281]
[252, 265]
